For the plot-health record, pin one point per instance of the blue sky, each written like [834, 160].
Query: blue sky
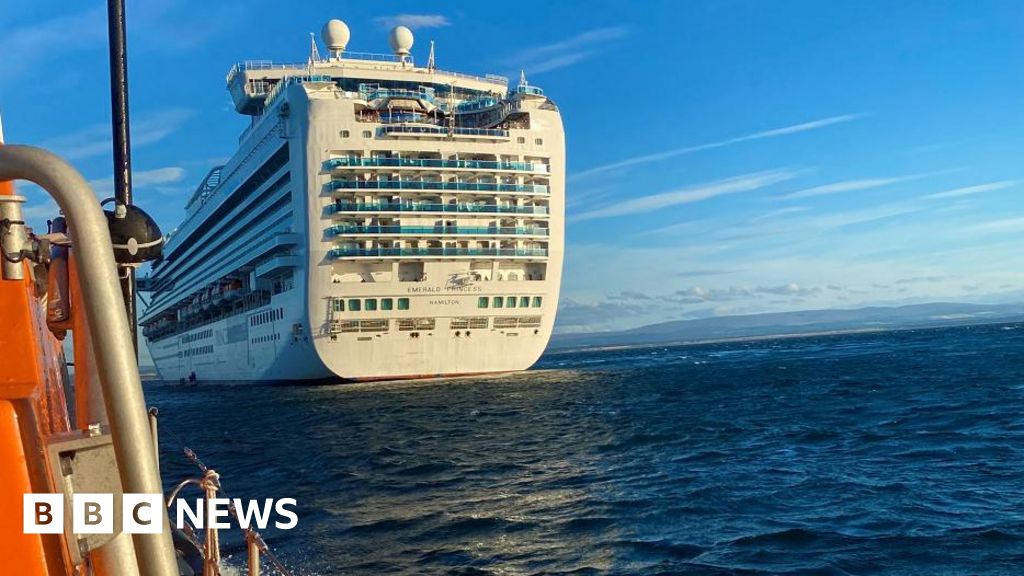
[723, 157]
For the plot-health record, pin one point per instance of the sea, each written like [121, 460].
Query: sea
[875, 453]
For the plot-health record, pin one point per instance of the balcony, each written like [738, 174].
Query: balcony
[369, 92]
[429, 185]
[443, 132]
[436, 252]
[339, 207]
[341, 230]
[356, 162]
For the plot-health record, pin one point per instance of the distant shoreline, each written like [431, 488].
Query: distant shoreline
[779, 336]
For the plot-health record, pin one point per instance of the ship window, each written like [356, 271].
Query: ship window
[403, 303]
[344, 133]
[524, 302]
[353, 305]
[371, 304]
[510, 302]
[482, 302]
[386, 303]
[339, 305]
[538, 141]
[536, 301]
[498, 301]
[367, 134]
[521, 140]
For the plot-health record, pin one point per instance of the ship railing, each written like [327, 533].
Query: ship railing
[363, 252]
[366, 56]
[421, 185]
[528, 90]
[354, 161]
[488, 132]
[475, 230]
[477, 104]
[401, 118]
[433, 207]
[378, 93]
[274, 92]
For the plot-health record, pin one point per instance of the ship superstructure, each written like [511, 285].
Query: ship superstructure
[379, 220]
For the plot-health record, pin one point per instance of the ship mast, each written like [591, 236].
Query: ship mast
[122, 143]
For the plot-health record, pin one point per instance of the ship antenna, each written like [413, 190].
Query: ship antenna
[430, 59]
[1, 128]
[314, 53]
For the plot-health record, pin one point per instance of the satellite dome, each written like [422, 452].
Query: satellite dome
[401, 40]
[335, 35]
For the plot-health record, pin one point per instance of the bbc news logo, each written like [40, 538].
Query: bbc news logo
[140, 513]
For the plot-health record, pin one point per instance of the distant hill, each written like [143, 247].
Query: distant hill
[794, 323]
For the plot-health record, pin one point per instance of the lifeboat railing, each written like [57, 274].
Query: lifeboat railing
[109, 332]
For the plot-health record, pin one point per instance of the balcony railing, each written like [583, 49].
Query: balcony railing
[401, 129]
[342, 229]
[355, 161]
[432, 207]
[371, 252]
[375, 93]
[429, 185]
[529, 90]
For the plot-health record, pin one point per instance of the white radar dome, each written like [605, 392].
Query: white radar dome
[401, 40]
[335, 35]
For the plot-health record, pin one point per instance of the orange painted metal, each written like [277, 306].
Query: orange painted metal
[32, 407]
[22, 554]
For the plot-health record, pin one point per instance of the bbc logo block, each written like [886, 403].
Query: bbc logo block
[93, 513]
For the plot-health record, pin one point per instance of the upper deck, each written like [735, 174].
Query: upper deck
[251, 82]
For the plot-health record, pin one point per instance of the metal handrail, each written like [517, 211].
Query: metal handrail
[108, 328]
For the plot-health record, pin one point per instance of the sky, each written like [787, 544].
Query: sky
[723, 157]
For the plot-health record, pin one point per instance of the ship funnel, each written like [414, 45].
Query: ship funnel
[335, 35]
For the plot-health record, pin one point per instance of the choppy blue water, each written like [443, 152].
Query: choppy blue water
[893, 453]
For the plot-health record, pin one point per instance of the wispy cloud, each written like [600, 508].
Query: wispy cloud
[413, 21]
[777, 213]
[141, 179]
[969, 190]
[848, 186]
[26, 46]
[997, 226]
[773, 133]
[690, 194]
[548, 57]
[96, 140]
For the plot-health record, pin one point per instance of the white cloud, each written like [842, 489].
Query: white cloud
[779, 212]
[540, 59]
[140, 179]
[848, 186]
[1001, 225]
[737, 184]
[784, 131]
[969, 190]
[414, 21]
[24, 47]
[96, 139]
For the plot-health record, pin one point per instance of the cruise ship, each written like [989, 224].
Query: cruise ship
[379, 220]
